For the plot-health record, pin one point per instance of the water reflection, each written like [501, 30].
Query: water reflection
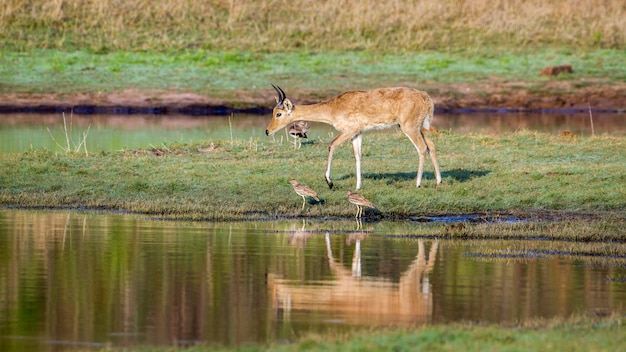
[20, 132]
[71, 279]
[352, 298]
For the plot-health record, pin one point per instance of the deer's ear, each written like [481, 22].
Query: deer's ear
[288, 105]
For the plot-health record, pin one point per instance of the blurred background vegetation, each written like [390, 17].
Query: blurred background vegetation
[310, 25]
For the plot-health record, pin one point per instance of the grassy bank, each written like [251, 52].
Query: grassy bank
[229, 52]
[575, 334]
[276, 26]
[232, 76]
[223, 179]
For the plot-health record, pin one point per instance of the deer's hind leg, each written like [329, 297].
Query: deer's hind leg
[423, 146]
[433, 158]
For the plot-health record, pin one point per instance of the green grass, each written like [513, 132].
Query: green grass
[306, 76]
[518, 172]
[575, 334]
[582, 334]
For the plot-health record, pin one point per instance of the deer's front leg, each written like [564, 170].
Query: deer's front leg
[356, 147]
[342, 137]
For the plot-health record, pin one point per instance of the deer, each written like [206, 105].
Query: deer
[354, 112]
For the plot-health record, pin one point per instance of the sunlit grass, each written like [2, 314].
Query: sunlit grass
[215, 74]
[247, 178]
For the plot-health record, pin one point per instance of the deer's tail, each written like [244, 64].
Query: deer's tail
[430, 115]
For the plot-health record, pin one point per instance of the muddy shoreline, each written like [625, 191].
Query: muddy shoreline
[550, 96]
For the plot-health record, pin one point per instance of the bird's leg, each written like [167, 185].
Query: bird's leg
[303, 201]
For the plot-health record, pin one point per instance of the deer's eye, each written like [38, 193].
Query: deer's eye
[279, 114]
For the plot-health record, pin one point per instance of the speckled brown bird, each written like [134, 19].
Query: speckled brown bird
[303, 191]
[360, 202]
[298, 130]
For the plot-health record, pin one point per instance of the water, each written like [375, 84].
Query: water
[83, 279]
[21, 132]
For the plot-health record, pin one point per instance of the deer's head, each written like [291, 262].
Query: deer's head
[281, 116]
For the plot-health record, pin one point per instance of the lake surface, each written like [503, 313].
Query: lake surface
[21, 132]
[73, 279]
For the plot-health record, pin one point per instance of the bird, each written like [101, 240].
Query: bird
[303, 191]
[360, 202]
[298, 130]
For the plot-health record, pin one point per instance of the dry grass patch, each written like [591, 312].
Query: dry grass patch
[276, 25]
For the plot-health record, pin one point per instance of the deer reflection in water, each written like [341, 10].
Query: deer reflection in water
[354, 299]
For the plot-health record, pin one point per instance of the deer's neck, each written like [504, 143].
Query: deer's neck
[320, 112]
